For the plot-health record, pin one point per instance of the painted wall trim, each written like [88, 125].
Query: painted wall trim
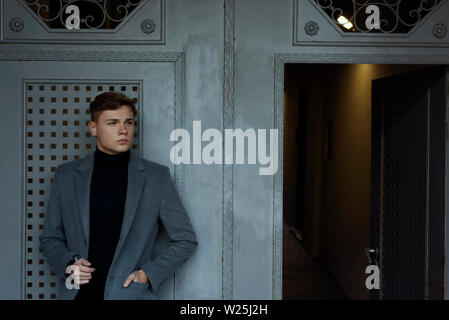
[228, 169]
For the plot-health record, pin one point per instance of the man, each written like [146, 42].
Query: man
[104, 213]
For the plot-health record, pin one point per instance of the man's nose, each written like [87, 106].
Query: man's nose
[123, 129]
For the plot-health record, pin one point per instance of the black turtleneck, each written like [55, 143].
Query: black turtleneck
[107, 204]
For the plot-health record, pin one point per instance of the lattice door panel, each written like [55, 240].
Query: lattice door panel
[404, 214]
[409, 183]
[56, 131]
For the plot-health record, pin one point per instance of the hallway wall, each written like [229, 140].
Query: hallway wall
[306, 207]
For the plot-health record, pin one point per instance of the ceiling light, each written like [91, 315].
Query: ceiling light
[344, 22]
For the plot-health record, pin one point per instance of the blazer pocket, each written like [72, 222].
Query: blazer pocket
[140, 291]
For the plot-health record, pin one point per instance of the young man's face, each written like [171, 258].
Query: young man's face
[114, 130]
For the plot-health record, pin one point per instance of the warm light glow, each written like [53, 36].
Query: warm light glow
[342, 20]
[348, 25]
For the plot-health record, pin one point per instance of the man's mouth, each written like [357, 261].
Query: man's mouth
[123, 141]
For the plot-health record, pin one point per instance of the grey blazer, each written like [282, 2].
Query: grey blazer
[151, 200]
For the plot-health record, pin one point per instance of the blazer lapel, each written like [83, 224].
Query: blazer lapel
[136, 182]
[83, 194]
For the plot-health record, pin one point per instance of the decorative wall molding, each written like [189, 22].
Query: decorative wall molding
[311, 28]
[228, 169]
[179, 174]
[363, 58]
[16, 24]
[280, 60]
[278, 124]
[148, 26]
[440, 30]
[95, 56]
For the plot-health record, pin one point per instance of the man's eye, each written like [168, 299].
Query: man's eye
[111, 123]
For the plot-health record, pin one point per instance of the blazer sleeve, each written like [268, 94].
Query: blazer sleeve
[182, 237]
[53, 241]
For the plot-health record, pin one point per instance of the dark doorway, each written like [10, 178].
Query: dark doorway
[327, 177]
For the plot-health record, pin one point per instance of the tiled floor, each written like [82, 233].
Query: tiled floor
[303, 277]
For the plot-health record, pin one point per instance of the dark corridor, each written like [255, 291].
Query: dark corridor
[327, 178]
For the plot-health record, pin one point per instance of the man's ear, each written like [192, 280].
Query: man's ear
[93, 128]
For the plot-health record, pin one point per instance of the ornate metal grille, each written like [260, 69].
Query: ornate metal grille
[94, 14]
[396, 16]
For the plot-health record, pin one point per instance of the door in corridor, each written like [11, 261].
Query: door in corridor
[408, 196]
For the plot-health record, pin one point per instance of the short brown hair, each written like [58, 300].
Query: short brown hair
[110, 101]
